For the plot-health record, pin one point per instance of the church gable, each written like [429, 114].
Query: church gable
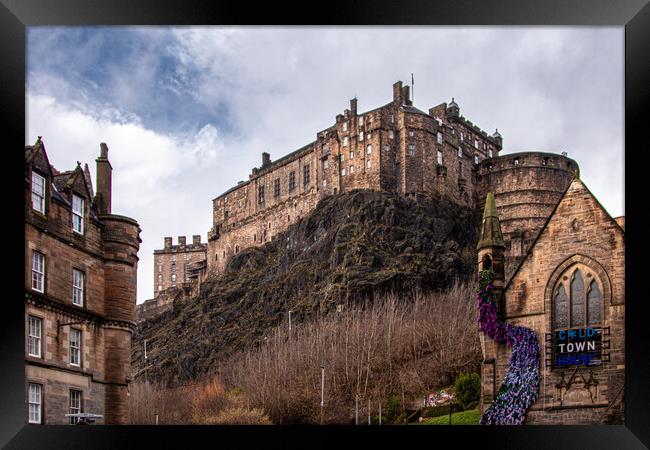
[578, 232]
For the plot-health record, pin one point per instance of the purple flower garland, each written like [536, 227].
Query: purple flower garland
[521, 382]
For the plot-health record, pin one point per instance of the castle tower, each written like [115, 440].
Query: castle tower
[452, 109]
[498, 138]
[121, 244]
[490, 257]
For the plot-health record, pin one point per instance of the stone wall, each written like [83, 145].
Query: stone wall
[392, 148]
[579, 235]
[176, 260]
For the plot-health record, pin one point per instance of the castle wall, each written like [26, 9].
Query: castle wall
[393, 147]
[172, 262]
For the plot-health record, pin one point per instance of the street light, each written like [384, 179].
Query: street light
[322, 391]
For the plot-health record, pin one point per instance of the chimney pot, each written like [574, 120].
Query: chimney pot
[168, 243]
[181, 241]
[196, 239]
[104, 180]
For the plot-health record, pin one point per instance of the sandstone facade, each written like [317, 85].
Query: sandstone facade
[572, 277]
[80, 293]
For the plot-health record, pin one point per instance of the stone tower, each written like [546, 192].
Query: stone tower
[491, 247]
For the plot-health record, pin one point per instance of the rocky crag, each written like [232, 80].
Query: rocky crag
[352, 247]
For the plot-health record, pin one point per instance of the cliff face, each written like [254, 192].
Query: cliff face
[351, 247]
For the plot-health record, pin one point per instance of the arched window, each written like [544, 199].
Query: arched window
[577, 299]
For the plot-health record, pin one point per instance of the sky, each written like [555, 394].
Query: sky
[187, 111]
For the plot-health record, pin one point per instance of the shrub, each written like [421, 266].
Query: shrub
[468, 389]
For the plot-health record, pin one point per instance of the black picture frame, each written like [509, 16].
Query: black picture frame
[634, 15]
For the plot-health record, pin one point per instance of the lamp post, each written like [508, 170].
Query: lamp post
[322, 391]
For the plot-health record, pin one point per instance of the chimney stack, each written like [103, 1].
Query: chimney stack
[406, 97]
[196, 240]
[353, 106]
[397, 93]
[168, 243]
[104, 177]
[266, 159]
[181, 241]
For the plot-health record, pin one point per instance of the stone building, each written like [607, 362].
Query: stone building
[569, 288]
[395, 147]
[173, 263]
[80, 293]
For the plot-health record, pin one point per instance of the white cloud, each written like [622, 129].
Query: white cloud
[153, 178]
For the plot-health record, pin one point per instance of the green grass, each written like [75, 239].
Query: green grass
[470, 417]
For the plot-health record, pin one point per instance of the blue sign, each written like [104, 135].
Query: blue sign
[577, 347]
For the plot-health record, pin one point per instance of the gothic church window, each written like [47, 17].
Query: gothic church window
[577, 300]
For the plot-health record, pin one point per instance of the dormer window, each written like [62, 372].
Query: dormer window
[77, 214]
[38, 192]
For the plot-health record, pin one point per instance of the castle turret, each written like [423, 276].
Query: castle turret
[497, 138]
[452, 109]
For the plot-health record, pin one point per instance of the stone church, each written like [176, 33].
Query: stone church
[569, 288]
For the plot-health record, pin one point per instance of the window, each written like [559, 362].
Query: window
[38, 192]
[439, 137]
[475, 159]
[544, 161]
[391, 134]
[351, 155]
[159, 267]
[490, 153]
[35, 395]
[326, 164]
[75, 405]
[34, 336]
[305, 175]
[173, 266]
[392, 118]
[411, 149]
[341, 157]
[75, 347]
[361, 135]
[160, 278]
[439, 158]
[324, 183]
[343, 172]
[345, 126]
[411, 133]
[360, 120]
[260, 195]
[368, 135]
[276, 188]
[346, 140]
[516, 162]
[77, 214]
[77, 287]
[462, 137]
[351, 169]
[475, 143]
[577, 300]
[368, 164]
[460, 152]
[173, 278]
[292, 181]
[38, 271]
[160, 285]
